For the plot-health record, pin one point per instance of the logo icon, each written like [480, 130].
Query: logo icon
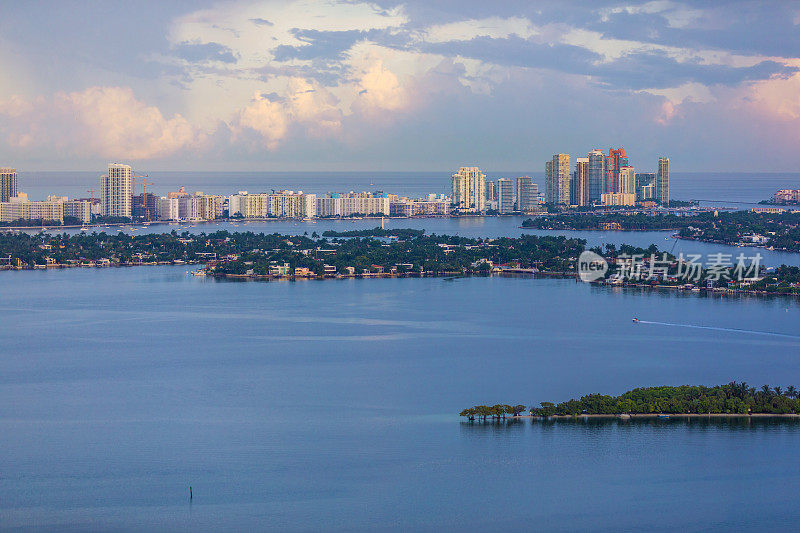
[591, 266]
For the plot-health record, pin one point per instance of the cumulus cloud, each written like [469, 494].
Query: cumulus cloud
[778, 98]
[307, 106]
[284, 73]
[379, 89]
[99, 121]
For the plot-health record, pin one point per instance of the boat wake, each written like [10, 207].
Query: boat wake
[714, 328]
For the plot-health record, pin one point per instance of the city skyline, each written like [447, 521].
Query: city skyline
[368, 86]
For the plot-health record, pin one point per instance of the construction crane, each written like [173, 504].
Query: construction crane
[133, 183]
[91, 194]
[144, 187]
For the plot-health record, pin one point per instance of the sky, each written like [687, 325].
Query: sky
[377, 86]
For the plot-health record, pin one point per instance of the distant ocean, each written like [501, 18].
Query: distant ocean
[722, 186]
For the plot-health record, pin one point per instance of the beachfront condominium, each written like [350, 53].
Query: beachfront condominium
[117, 189]
[615, 160]
[469, 190]
[579, 188]
[662, 181]
[557, 175]
[527, 194]
[8, 183]
[595, 175]
[505, 195]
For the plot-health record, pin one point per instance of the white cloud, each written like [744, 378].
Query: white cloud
[306, 105]
[778, 98]
[493, 27]
[99, 121]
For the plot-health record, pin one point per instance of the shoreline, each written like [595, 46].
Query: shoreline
[663, 416]
[384, 275]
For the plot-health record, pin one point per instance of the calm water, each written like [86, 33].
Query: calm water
[331, 405]
[727, 186]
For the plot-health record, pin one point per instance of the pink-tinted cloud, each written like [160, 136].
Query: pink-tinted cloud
[107, 122]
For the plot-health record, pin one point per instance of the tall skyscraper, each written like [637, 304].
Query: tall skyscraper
[615, 160]
[527, 191]
[557, 175]
[579, 188]
[596, 175]
[469, 190]
[505, 195]
[662, 181]
[117, 189]
[8, 183]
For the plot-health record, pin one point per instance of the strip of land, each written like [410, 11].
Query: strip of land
[379, 253]
[730, 400]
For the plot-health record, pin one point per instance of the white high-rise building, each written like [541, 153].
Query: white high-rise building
[168, 208]
[579, 188]
[505, 195]
[469, 190]
[117, 189]
[527, 191]
[627, 180]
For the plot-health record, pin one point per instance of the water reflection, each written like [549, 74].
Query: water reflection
[737, 423]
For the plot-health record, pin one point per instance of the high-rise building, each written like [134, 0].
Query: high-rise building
[117, 189]
[662, 181]
[627, 180]
[579, 188]
[615, 160]
[469, 190]
[491, 193]
[527, 191]
[645, 186]
[505, 195]
[8, 183]
[596, 175]
[557, 175]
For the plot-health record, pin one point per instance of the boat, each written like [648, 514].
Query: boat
[636, 320]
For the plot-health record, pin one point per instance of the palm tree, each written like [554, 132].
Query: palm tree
[778, 391]
[766, 390]
[791, 392]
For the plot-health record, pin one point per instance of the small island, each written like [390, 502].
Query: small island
[776, 231]
[733, 399]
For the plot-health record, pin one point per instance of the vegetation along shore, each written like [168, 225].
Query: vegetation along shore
[733, 399]
[777, 231]
[378, 253]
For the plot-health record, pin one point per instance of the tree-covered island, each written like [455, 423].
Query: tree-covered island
[779, 231]
[397, 253]
[731, 399]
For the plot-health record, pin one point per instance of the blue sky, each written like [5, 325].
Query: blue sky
[349, 85]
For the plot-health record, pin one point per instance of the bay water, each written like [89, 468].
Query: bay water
[332, 405]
